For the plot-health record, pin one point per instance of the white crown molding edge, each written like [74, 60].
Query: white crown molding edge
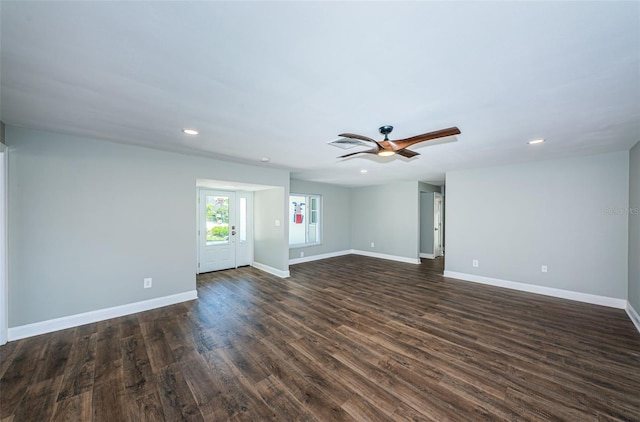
[271, 270]
[611, 302]
[43, 327]
[633, 315]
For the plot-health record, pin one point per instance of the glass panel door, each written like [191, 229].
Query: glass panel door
[217, 232]
[217, 219]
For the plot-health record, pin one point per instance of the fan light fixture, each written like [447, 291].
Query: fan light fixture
[387, 147]
[386, 130]
[386, 153]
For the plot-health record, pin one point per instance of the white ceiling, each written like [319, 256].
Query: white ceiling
[280, 80]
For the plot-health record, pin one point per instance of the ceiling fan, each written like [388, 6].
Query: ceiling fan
[387, 148]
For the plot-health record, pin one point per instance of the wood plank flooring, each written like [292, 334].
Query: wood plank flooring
[344, 339]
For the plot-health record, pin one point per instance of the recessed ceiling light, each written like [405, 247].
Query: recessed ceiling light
[536, 141]
[190, 131]
[265, 159]
[363, 171]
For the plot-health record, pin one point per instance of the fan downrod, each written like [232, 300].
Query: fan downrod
[385, 130]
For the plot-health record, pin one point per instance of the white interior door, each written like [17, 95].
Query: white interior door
[217, 230]
[437, 224]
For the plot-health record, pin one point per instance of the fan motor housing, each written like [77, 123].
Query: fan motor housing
[385, 130]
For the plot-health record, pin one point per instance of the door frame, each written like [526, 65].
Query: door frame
[438, 237]
[238, 245]
[244, 251]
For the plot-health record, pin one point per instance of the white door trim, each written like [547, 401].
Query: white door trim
[218, 255]
[437, 225]
[243, 250]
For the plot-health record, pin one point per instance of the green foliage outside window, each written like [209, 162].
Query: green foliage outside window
[218, 213]
[218, 233]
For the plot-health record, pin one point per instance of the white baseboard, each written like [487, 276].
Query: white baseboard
[271, 270]
[633, 315]
[385, 256]
[318, 257]
[37, 328]
[611, 302]
[354, 252]
[427, 255]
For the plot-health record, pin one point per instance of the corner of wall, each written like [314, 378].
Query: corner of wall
[633, 287]
[633, 315]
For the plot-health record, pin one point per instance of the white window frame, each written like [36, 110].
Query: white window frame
[307, 219]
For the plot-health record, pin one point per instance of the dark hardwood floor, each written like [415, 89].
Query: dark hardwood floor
[348, 338]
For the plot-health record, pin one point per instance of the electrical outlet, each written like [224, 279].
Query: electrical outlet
[475, 263]
[148, 282]
[373, 245]
[544, 268]
[301, 254]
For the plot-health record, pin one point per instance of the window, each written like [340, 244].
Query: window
[243, 220]
[305, 219]
[217, 219]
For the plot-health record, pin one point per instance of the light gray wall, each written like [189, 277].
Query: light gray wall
[88, 220]
[426, 222]
[336, 217]
[268, 247]
[388, 216]
[514, 219]
[634, 227]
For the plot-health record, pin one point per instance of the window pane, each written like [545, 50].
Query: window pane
[217, 219]
[314, 210]
[304, 223]
[243, 219]
[297, 207]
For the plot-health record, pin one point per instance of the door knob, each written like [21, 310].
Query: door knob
[233, 232]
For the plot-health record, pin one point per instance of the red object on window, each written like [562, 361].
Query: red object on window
[298, 218]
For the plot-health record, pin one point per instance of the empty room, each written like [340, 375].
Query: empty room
[319, 211]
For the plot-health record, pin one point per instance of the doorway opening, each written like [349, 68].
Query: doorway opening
[432, 230]
[225, 229]
[225, 224]
[438, 227]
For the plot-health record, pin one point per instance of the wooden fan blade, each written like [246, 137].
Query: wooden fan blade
[355, 136]
[366, 151]
[403, 143]
[407, 153]
[361, 137]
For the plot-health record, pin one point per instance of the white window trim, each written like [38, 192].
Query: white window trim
[307, 217]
